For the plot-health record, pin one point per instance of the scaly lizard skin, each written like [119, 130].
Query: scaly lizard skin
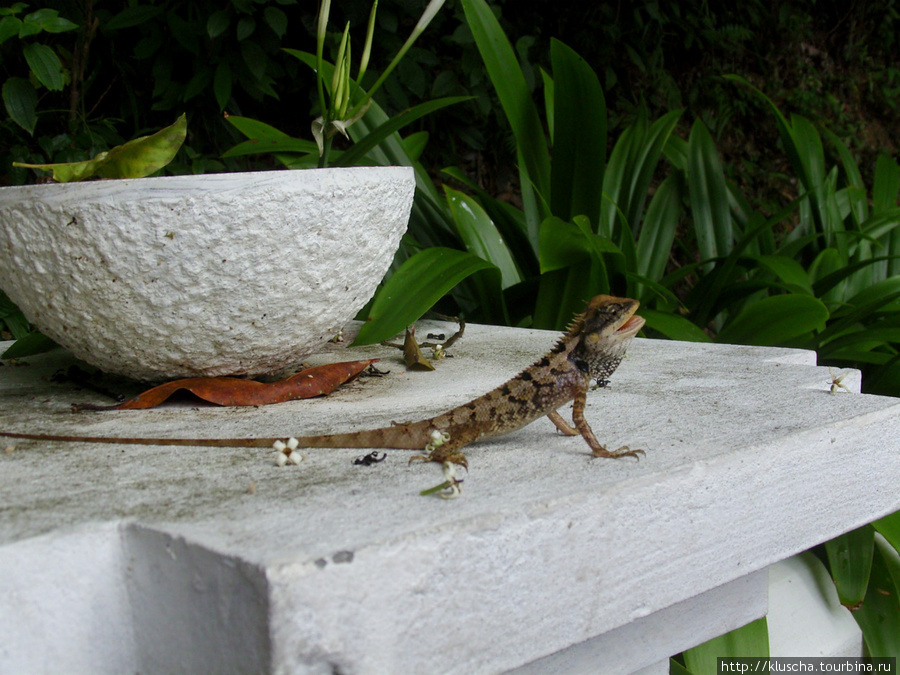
[591, 349]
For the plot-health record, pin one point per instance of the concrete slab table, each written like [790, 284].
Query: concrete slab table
[154, 559]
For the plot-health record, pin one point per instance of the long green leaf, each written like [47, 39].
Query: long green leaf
[859, 205]
[579, 136]
[413, 289]
[673, 326]
[889, 528]
[885, 186]
[850, 561]
[747, 641]
[566, 244]
[480, 235]
[429, 221]
[775, 320]
[630, 171]
[512, 90]
[657, 234]
[359, 150]
[563, 292]
[29, 345]
[879, 614]
[264, 137]
[788, 270]
[708, 195]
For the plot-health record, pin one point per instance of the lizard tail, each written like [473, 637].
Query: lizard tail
[200, 442]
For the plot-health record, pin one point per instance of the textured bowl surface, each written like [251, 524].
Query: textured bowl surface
[181, 276]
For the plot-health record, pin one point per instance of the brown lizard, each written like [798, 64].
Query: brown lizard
[591, 349]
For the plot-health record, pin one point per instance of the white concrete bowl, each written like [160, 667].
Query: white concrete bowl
[182, 276]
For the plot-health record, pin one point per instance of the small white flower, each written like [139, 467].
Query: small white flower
[286, 452]
[452, 491]
[438, 438]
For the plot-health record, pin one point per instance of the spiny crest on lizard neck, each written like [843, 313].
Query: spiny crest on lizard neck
[602, 312]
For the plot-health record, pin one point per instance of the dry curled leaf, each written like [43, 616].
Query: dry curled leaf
[412, 355]
[308, 383]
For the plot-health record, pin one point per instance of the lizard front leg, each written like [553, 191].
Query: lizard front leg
[581, 424]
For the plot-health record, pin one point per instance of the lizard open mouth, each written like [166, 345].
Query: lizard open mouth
[631, 327]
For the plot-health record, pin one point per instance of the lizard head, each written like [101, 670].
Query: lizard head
[603, 333]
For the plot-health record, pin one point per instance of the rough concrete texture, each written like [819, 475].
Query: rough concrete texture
[185, 276]
[220, 557]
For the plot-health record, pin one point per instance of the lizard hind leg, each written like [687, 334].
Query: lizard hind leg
[564, 427]
[443, 449]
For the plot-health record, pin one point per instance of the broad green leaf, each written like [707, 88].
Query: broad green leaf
[565, 244]
[135, 159]
[480, 235]
[564, 292]
[9, 26]
[579, 136]
[222, 84]
[254, 58]
[775, 320]
[245, 27]
[510, 221]
[881, 293]
[708, 195]
[31, 344]
[217, 23]
[145, 155]
[881, 223]
[20, 100]
[879, 614]
[133, 16]
[415, 144]
[858, 338]
[50, 21]
[198, 83]
[848, 317]
[413, 289]
[828, 262]
[45, 65]
[850, 561]
[277, 20]
[788, 270]
[673, 326]
[750, 640]
[512, 90]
